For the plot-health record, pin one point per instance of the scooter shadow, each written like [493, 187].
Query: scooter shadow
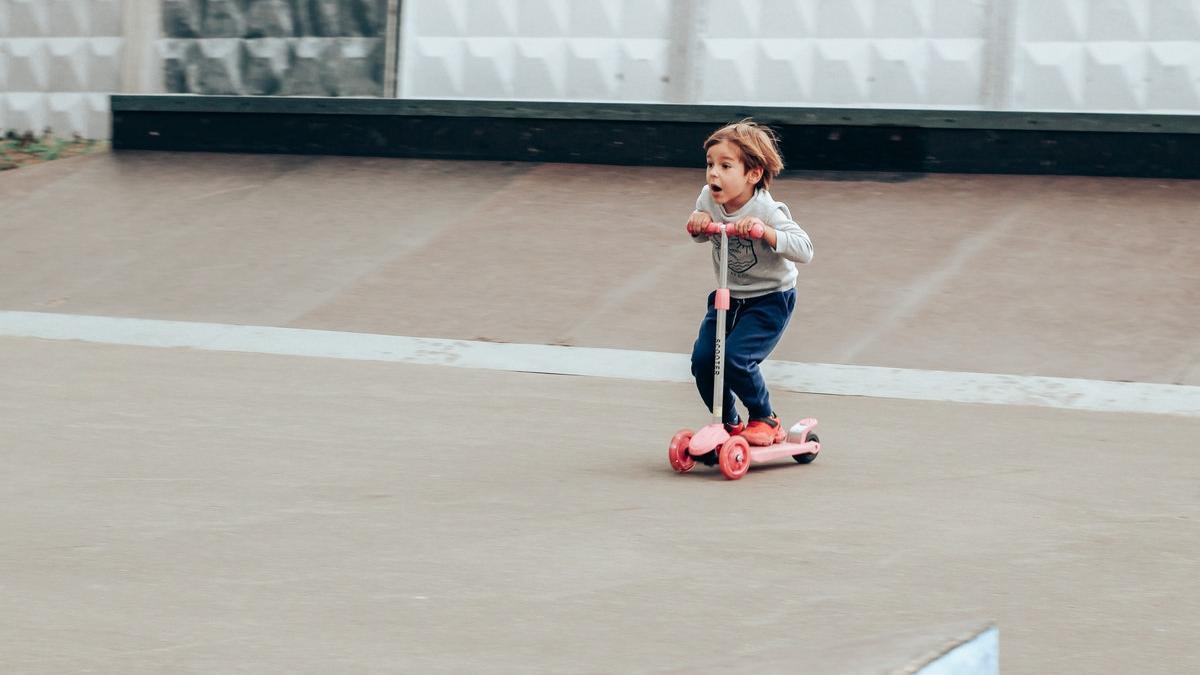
[714, 473]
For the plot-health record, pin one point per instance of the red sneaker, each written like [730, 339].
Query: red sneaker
[735, 429]
[767, 431]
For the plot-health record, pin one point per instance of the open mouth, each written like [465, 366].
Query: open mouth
[714, 188]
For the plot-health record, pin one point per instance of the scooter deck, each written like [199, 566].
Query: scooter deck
[767, 453]
[712, 436]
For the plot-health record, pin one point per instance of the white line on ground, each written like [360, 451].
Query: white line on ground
[976, 655]
[815, 378]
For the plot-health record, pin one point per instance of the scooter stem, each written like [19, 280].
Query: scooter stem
[721, 303]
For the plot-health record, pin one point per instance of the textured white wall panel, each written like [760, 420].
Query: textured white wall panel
[841, 69]
[782, 52]
[729, 70]
[955, 70]
[1173, 76]
[103, 18]
[59, 61]
[911, 19]
[488, 67]
[906, 53]
[1085, 55]
[27, 65]
[536, 49]
[1175, 20]
[104, 64]
[492, 19]
[26, 111]
[538, 68]
[785, 71]
[99, 116]
[1107, 55]
[591, 69]
[68, 18]
[751, 19]
[1121, 68]
[434, 68]
[543, 18]
[67, 63]
[959, 18]
[67, 111]
[1052, 20]
[643, 73]
[540, 65]
[1050, 76]
[898, 71]
[28, 18]
[1111, 20]
[842, 18]
[436, 19]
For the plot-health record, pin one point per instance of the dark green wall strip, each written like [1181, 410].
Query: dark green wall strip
[665, 135]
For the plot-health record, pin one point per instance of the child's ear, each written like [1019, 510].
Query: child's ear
[755, 175]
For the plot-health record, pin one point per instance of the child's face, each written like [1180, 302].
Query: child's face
[731, 185]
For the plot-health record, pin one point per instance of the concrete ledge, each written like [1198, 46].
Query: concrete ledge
[974, 654]
[963, 141]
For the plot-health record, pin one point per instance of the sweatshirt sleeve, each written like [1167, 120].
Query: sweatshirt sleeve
[791, 241]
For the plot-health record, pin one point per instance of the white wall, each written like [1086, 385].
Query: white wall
[60, 59]
[1073, 55]
[1118, 55]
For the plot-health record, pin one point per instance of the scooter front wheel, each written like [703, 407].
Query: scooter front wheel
[677, 452]
[734, 457]
[807, 457]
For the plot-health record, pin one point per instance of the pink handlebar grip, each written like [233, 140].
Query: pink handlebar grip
[756, 231]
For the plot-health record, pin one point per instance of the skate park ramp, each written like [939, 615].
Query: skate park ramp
[322, 414]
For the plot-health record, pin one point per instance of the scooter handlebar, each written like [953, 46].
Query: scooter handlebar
[756, 230]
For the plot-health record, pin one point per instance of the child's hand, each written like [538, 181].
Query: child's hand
[698, 222]
[742, 227]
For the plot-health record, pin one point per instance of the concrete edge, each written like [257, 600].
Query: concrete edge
[975, 654]
[808, 378]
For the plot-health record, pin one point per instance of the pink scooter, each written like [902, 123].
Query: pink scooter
[734, 454]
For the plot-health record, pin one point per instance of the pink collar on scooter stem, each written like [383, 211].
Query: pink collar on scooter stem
[708, 438]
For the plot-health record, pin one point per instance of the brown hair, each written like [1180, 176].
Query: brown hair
[757, 144]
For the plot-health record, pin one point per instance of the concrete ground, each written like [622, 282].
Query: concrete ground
[176, 510]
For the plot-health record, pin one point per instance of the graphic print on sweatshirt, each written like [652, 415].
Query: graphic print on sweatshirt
[741, 254]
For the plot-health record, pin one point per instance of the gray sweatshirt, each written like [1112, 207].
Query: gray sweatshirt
[754, 267]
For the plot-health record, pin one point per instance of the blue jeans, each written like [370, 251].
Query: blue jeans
[752, 329]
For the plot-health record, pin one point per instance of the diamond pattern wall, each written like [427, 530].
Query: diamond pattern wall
[1096, 55]
[273, 47]
[906, 53]
[602, 50]
[1107, 55]
[59, 59]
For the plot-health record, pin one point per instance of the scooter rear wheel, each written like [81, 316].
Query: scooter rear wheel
[677, 452]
